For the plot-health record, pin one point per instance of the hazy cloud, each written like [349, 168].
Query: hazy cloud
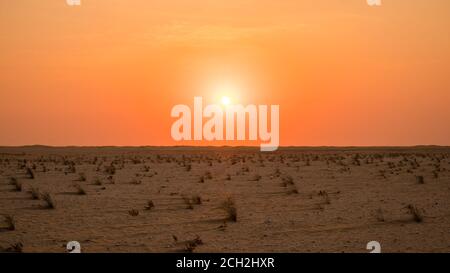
[184, 33]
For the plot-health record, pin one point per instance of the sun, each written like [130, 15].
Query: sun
[226, 93]
[225, 100]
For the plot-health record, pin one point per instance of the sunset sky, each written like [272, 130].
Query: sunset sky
[108, 72]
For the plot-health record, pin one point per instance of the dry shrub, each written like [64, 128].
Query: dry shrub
[150, 205]
[287, 181]
[188, 203]
[190, 245]
[49, 201]
[17, 185]
[196, 200]
[191, 201]
[15, 248]
[30, 173]
[136, 181]
[111, 170]
[208, 175]
[35, 194]
[80, 190]
[97, 181]
[110, 179]
[277, 172]
[325, 196]
[9, 222]
[435, 174]
[133, 212]
[256, 177]
[230, 208]
[415, 212]
[380, 215]
[420, 179]
[82, 177]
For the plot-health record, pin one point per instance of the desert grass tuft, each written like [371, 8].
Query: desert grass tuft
[435, 174]
[35, 194]
[230, 208]
[380, 215]
[15, 248]
[150, 205]
[325, 196]
[188, 203]
[133, 212]
[97, 181]
[14, 182]
[197, 240]
[420, 179]
[190, 245]
[79, 189]
[415, 212]
[196, 200]
[30, 173]
[10, 223]
[208, 175]
[82, 177]
[256, 177]
[111, 170]
[17, 185]
[287, 181]
[136, 181]
[191, 201]
[110, 179]
[49, 201]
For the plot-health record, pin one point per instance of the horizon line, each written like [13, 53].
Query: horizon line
[222, 146]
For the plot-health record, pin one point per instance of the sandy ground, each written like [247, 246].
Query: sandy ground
[293, 200]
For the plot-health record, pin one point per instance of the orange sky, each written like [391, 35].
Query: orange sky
[109, 71]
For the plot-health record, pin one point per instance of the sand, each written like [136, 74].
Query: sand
[225, 199]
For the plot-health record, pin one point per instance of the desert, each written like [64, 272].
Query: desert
[224, 199]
